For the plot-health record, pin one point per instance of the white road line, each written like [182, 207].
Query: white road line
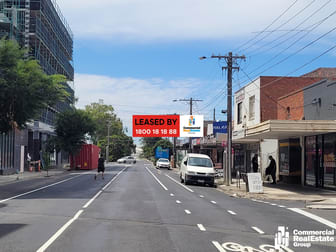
[201, 196]
[273, 204]
[178, 202]
[218, 246]
[114, 178]
[59, 232]
[172, 194]
[41, 188]
[213, 202]
[185, 187]
[163, 186]
[91, 200]
[258, 230]
[281, 206]
[314, 217]
[231, 212]
[187, 211]
[201, 227]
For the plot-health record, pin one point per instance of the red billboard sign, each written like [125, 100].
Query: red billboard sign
[156, 125]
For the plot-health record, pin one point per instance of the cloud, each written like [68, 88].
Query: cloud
[137, 96]
[148, 20]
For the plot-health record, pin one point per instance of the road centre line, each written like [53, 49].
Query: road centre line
[213, 202]
[187, 211]
[281, 206]
[201, 227]
[59, 232]
[201, 196]
[218, 246]
[258, 230]
[178, 202]
[92, 199]
[163, 186]
[114, 178]
[41, 188]
[314, 217]
[231, 212]
[185, 187]
[172, 194]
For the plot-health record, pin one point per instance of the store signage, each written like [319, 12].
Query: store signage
[156, 125]
[254, 182]
[191, 126]
[161, 153]
[219, 127]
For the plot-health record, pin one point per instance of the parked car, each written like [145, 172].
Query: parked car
[163, 163]
[127, 160]
[197, 168]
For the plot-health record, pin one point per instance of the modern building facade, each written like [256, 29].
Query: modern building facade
[40, 28]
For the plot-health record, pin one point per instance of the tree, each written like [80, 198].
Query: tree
[72, 129]
[24, 88]
[104, 117]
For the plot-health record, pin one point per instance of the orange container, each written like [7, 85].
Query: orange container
[87, 158]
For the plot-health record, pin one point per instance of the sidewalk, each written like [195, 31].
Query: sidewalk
[4, 179]
[314, 198]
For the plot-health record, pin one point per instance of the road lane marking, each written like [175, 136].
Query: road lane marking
[172, 194]
[273, 204]
[201, 227]
[201, 196]
[281, 206]
[178, 202]
[258, 230]
[187, 211]
[185, 187]
[314, 217]
[59, 232]
[213, 202]
[163, 186]
[218, 246]
[92, 199]
[231, 212]
[114, 178]
[41, 188]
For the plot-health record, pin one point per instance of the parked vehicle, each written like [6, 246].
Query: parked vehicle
[197, 168]
[127, 160]
[163, 163]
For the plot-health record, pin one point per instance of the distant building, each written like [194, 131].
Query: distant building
[39, 27]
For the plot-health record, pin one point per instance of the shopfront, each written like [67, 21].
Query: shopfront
[320, 161]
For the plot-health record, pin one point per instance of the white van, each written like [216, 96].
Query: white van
[197, 168]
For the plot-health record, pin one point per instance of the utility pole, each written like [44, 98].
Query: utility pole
[230, 60]
[214, 114]
[191, 100]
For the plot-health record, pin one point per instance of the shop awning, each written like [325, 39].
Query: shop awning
[283, 129]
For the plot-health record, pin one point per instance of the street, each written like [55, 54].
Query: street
[139, 208]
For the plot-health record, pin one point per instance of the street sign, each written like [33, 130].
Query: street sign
[254, 182]
[161, 153]
[219, 127]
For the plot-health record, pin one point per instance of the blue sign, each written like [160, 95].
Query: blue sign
[161, 153]
[219, 127]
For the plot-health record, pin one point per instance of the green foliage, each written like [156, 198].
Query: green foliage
[104, 117]
[72, 129]
[24, 88]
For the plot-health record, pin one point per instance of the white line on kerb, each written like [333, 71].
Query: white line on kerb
[187, 211]
[314, 217]
[163, 186]
[201, 227]
[39, 189]
[178, 202]
[172, 194]
[218, 246]
[213, 202]
[231, 212]
[185, 187]
[59, 232]
[258, 230]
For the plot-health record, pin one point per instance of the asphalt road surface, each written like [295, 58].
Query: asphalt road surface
[139, 208]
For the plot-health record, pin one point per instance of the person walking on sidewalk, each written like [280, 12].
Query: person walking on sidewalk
[101, 167]
[271, 169]
[255, 163]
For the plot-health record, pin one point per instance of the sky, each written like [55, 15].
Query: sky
[140, 55]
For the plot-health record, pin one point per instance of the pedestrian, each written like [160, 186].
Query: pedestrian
[255, 163]
[101, 167]
[271, 169]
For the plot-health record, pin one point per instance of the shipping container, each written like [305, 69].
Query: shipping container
[87, 158]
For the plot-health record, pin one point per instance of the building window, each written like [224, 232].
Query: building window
[251, 107]
[240, 113]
